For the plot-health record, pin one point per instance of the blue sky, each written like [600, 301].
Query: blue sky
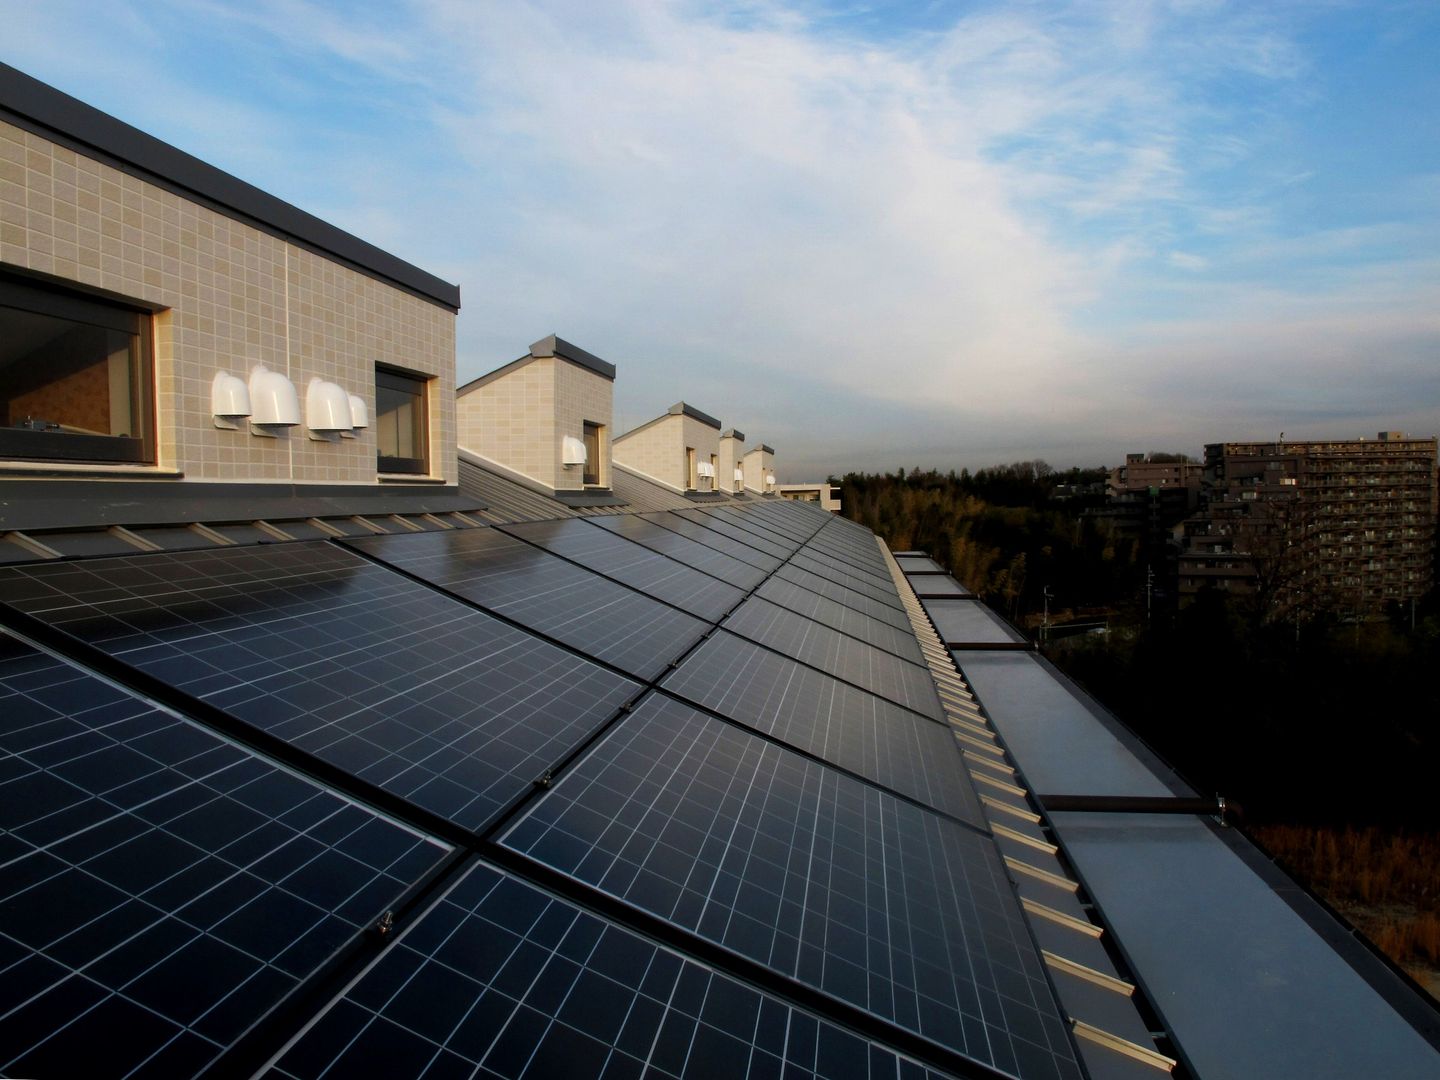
[870, 234]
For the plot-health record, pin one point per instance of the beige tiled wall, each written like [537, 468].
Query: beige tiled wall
[231, 296]
[658, 451]
[731, 454]
[519, 419]
[581, 395]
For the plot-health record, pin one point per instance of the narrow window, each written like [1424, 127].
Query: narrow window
[401, 423]
[691, 480]
[76, 379]
[591, 477]
[714, 472]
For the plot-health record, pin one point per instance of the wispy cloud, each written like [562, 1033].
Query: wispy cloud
[983, 221]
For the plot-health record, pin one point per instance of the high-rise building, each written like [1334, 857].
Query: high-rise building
[1346, 525]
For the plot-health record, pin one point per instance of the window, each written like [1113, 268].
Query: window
[76, 381]
[591, 477]
[714, 472]
[691, 480]
[401, 423]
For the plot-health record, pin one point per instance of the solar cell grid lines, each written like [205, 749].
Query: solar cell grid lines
[693, 554]
[852, 581]
[874, 574]
[394, 682]
[632, 564]
[713, 538]
[752, 535]
[501, 979]
[546, 594]
[820, 715]
[832, 590]
[782, 530]
[836, 615]
[838, 654]
[162, 888]
[819, 876]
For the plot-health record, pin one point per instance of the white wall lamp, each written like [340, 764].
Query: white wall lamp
[229, 401]
[572, 452]
[275, 402]
[327, 410]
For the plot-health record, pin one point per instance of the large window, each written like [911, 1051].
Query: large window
[76, 381]
[401, 423]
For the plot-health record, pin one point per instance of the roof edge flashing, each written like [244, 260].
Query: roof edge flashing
[66, 119]
[558, 347]
[682, 409]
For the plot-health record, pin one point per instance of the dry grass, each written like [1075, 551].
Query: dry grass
[1387, 884]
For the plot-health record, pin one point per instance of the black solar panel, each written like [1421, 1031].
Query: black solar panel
[696, 555]
[819, 876]
[546, 594]
[830, 719]
[848, 578]
[392, 681]
[834, 614]
[845, 657]
[503, 980]
[736, 549]
[162, 888]
[759, 538]
[791, 533]
[833, 590]
[631, 564]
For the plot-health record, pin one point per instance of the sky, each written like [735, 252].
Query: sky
[872, 235]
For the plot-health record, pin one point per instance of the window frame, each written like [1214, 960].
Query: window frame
[40, 296]
[417, 386]
[590, 471]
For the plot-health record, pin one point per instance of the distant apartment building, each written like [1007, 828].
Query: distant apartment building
[1346, 525]
[1139, 475]
[824, 494]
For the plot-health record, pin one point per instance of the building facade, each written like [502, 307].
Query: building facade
[1345, 525]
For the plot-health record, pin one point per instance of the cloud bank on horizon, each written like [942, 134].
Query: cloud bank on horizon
[869, 234]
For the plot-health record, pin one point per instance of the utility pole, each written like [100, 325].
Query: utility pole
[1149, 588]
[1045, 622]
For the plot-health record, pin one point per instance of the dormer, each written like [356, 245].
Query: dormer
[544, 418]
[679, 449]
[758, 466]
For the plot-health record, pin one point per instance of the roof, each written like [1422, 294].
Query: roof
[760, 448]
[367, 800]
[30, 104]
[704, 790]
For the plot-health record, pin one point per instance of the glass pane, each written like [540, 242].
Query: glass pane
[59, 375]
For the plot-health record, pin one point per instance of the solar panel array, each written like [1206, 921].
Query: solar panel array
[660, 794]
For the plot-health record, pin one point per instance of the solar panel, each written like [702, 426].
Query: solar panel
[828, 880]
[882, 635]
[833, 590]
[851, 580]
[546, 594]
[394, 682]
[631, 564]
[162, 888]
[845, 657]
[751, 536]
[868, 572]
[713, 538]
[693, 554]
[502, 979]
[809, 710]
[781, 530]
